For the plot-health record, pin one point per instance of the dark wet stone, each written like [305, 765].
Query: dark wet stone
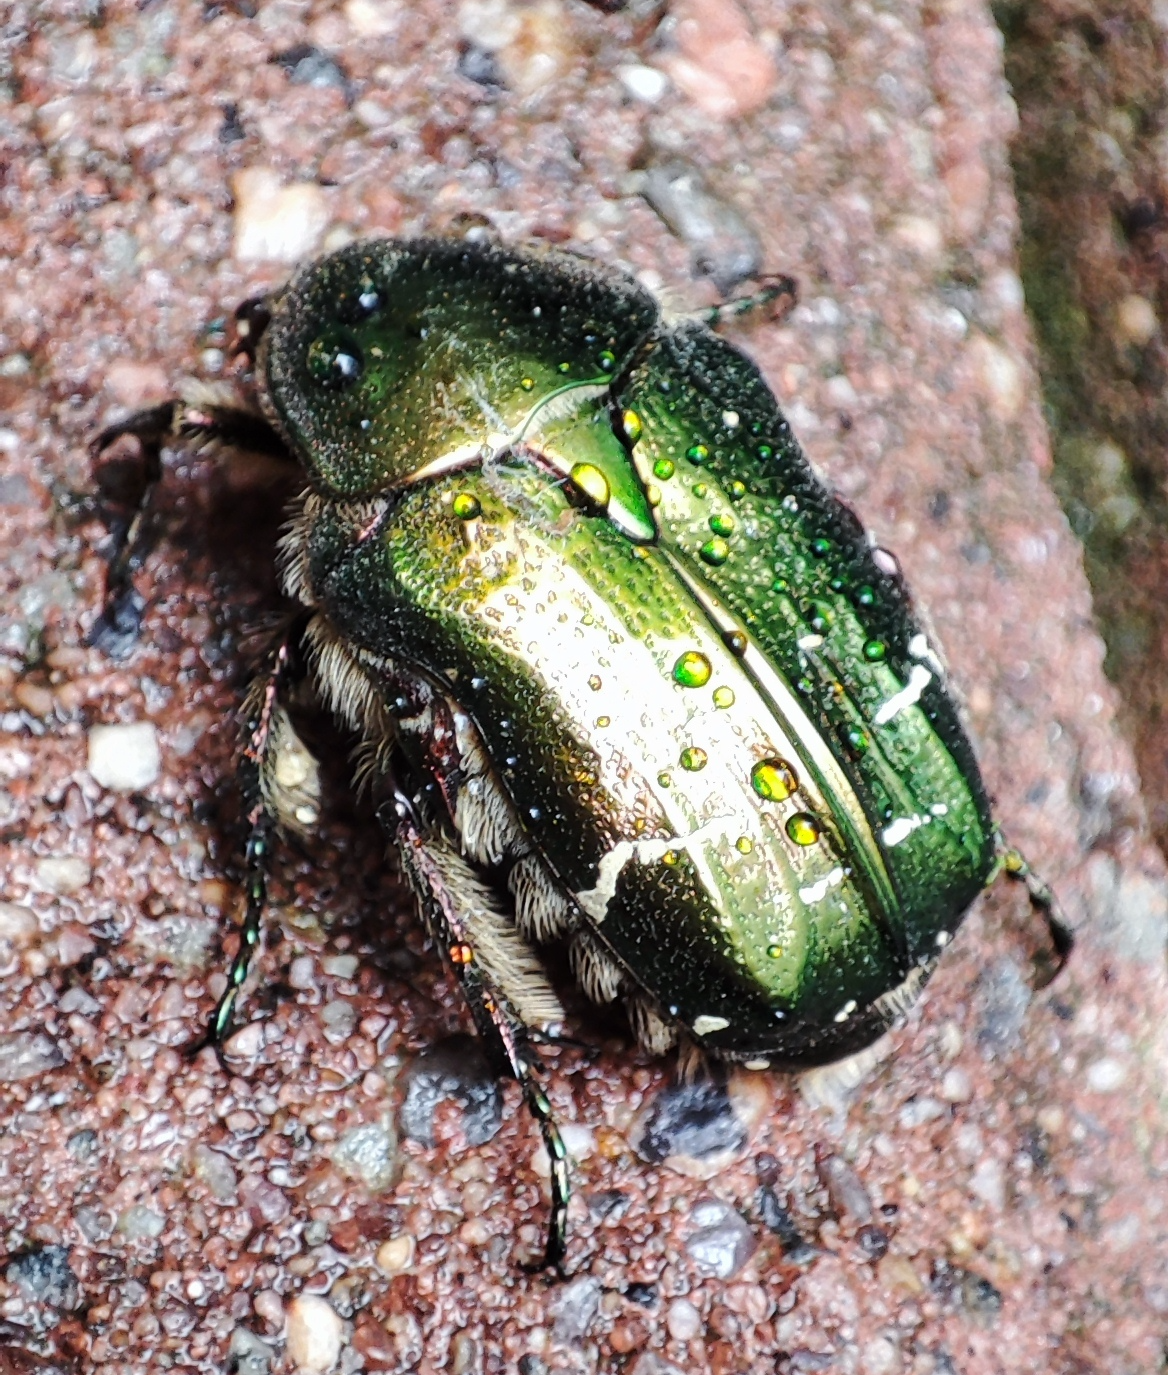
[531, 1365]
[721, 243]
[873, 1242]
[803, 1362]
[691, 1119]
[42, 1274]
[82, 1145]
[644, 1294]
[479, 65]
[308, 66]
[455, 1069]
[776, 1219]
[979, 1298]
[231, 130]
[722, 1242]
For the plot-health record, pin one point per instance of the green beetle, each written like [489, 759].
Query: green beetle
[627, 676]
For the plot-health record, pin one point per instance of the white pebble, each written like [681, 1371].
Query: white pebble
[276, 223]
[683, 1320]
[18, 925]
[646, 84]
[314, 1335]
[62, 874]
[397, 1253]
[1136, 318]
[126, 758]
[1106, 1075]
[989, 1184]
[956, 1086]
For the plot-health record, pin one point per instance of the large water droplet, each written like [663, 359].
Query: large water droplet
[875, 650]
[607, 360]
[693, 758]
[803, 828]
[715, 551]
[592, 482]
[466, 506]
[664, 469]
[631, 424]
[697, 453]
[334, 360]
[692, 669]
[722, 523]
[723, 697]
[773, 779]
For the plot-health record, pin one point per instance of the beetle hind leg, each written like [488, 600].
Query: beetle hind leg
[506, 991]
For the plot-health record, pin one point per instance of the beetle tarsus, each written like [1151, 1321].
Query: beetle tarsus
[777, 296]
[1042, 899]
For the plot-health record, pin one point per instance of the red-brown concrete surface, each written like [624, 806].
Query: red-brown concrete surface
[1005, 1207]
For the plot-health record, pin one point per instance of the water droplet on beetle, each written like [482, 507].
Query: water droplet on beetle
[334, 360]
[670, 857]
[466, 506]
[744, 845]
[563, 367]
[857, 739]
[697, 453]
[723, 697]
[803, 828]
[693, 759]
[865, 596]
[665, 778]
[527, 383]
[631, 424]
[735, 490]
[664, 469]
[607, 360]
[603, 721]
[765, 451]
[775, 951]
[773, 779]
[595, 682]
[821, 547]
[653, 494]
[875, 650]
[722, 524]
[592, 482]
[736, 642]
[692, 669]
[715, 551]
[700, 490]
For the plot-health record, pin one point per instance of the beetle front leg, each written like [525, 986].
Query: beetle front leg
[174, 422]
[443, 880]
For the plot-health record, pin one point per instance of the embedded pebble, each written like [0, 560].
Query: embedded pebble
[314, 1335]
[249, 1355]
[575, 1307]
[27, 1054]
[723, 1241]
[1106, 1075]
[693, 1120]
[1135, 318]
[216, 1171]
[918, 1111]
[124, 758]
[396, 1254]
[18, 924]
[683, 1320]
[1004, 997]
[368, 1153]
[339, 1019]
[989, 1184]
[880, 1356]
[1003, 380]
[277, 223]
[956, 1086]
[845, 1188]
[62, 874]
[42, 1274]
[308, 66]
[455, 1069]
[138, 1223]
[721, 243]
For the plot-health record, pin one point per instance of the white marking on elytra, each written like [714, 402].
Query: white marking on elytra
[595, 901]
[918, 679]
[705, 1024]
[814, 891]
[846, 1011]
[901, 829]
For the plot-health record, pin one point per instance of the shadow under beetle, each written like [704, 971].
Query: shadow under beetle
[625, 675]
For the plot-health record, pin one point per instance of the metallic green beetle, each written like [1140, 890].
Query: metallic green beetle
[628, 676]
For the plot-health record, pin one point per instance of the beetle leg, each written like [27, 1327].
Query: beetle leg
[176, 421]
[1043, 900]
[268, 741]
[434, 870]
[779, 289]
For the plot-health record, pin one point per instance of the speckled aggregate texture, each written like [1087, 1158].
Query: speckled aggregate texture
[991, 1196]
